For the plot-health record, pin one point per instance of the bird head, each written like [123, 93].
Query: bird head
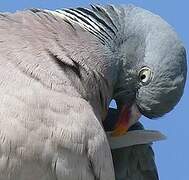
[152, 72]
[146, 67]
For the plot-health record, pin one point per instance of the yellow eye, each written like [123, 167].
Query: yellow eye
[145, 75]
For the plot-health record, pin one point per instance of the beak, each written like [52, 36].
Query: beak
[129, 115]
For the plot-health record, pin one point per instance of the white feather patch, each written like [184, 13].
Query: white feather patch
[64, 15]
[134, 138]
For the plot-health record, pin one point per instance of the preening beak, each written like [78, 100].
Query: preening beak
[129, 115]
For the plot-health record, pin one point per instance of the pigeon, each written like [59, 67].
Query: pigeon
[59, 71]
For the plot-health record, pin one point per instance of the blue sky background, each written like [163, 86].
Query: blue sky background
[172, 155]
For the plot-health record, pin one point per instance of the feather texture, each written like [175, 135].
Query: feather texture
[135, 160]
[58, 73]
[46, 124]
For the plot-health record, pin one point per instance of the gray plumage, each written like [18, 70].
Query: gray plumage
[135, 163]
[59, 71]
[132, 162]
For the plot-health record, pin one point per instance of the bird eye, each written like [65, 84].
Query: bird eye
[145, 75]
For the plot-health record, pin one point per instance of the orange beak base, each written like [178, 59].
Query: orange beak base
[122, 125]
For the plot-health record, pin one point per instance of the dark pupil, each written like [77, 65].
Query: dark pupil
[142, 77]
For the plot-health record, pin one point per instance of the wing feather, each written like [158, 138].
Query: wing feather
[134, 162]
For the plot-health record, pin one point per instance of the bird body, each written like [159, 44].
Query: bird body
[133, 156]
[34, 138]
[45, 121]
[135, 163]
[58, 72]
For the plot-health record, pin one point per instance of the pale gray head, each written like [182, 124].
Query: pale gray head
[150, 56]
[153, 71]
